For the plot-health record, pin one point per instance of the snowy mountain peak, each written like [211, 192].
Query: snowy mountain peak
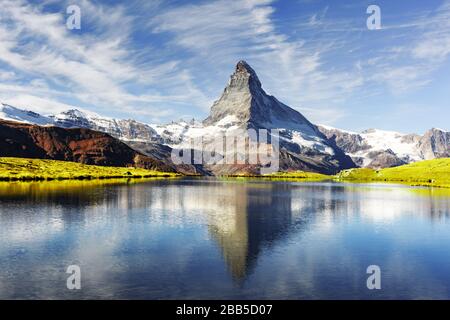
[74, 113]
[380, 148]
[7, 108]
[245, 99]
[72, 118]
[11, 113]
[80, 114]
[245, 105]
[246, 73]
[128, 130]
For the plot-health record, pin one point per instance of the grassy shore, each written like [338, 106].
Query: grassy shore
[20, 169]
[434, 173]
[280, 176]
[303, 175]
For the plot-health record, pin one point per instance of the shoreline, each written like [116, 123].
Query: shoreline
[84, 178]
[335, 179]
[26, 169]
[430, 173]
[256, 177]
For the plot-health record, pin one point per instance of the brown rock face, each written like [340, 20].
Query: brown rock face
[77, 145]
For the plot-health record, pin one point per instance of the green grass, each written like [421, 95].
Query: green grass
[13, 169]
[301, 175]
[292, 175]
[434, 173]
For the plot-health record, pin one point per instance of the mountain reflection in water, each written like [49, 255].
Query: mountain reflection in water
[156, 239]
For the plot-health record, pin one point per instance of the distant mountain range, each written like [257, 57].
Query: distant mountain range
[381, 149]
[77, 144]
[121, 129]
[245, 105]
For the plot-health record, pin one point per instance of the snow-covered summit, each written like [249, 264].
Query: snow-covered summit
[75, 118]
[382, 148]
[245, 105]
[8, 112]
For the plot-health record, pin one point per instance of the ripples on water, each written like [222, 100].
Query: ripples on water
[200, 238]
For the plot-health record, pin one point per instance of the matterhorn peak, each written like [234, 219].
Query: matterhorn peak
[244, 77]
[245, 100]
[243, 66]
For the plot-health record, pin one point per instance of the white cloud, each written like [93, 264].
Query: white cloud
[189, 51]
[404, 78]
[410, 65]
[435, 42]
[7, 75]
[38, 104]
[94, 67]
[52, 52]
[219, 33]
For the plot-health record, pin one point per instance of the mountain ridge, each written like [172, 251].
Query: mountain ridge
[81, 145]
[374, 148]
[350, 142]
[244, 104]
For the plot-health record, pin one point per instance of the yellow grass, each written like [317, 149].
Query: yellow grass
[12, 169]
[298, 175]
[435, 173]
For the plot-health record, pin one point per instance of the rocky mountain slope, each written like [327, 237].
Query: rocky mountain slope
[121, 129]
[138, 136]
[78, 145]
[381, 149]
[245, 105]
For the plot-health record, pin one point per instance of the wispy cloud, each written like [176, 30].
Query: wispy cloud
[219, 33]
[156, 60]
[95, 67]
[409, 64]
[435, 42]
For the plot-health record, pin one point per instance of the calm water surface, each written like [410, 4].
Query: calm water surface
[221, 239]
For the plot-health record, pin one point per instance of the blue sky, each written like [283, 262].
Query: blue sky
[157, 61]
